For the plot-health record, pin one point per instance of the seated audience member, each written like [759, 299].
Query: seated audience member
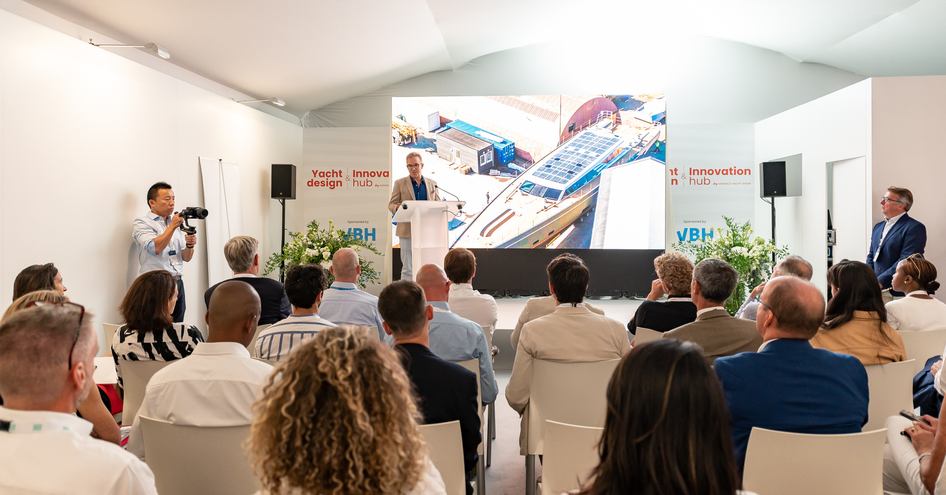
[242, 254]
[453, 337]
[343, 301]
[460, 266]
[304, 286]
[38, 277]
[338, 417]
[570, 334]
[217, 384]
[795, 266]
[148, 333]
[717, 333]
[855, 321]
[674, 273]
[789, 385]
[537, 307]
[919, 310]
[665, 397]
[445, 391]
[92, 408]
[913, 456]
[46, 364]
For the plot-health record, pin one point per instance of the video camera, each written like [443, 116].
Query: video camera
[195, 212]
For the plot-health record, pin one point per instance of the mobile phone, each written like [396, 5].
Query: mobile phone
[913, 417]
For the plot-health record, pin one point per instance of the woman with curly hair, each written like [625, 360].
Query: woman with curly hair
[674, 275]
[337, 417]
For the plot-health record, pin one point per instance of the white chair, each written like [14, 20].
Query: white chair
[108, 333]
[645, 335]
[924, 344]
[781, 463]
[252, 346]
[891, 390]
[445, 449]
[474, 366]
[571, 453]
[135, 377]
[572, 393]
[198, 459]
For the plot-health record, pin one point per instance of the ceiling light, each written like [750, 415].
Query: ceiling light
[151, 48]
[275, 101]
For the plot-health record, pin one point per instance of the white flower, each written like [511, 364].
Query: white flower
[311, 252]
[740, 250]
[326, 254]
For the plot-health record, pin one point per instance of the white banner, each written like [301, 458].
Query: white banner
[710, 174]
[346, 178]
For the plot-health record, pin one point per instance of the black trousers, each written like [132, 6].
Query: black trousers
[180, 305]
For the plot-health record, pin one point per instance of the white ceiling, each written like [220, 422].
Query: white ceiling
[315, 52]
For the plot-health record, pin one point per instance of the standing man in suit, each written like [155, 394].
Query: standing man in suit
[789, 385]
[717, 333]
[446, 391]
[895, 238]
[413, 187]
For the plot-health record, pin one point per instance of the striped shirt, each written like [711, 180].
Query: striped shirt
[277, 341]
[167, 344]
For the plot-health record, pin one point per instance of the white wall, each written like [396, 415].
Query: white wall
[909, 150]
[831, 128]
[84, 132]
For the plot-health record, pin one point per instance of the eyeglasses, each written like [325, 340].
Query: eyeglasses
[766, 306]
[75, 338]
[885, 199]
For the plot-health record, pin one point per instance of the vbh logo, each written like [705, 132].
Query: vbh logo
[693, 234]
[363, 234]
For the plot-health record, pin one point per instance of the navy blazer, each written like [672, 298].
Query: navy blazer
[791, 386]
[445, 391]
[906, 237]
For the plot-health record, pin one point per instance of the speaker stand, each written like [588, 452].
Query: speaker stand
[282, 242]
[772, 205]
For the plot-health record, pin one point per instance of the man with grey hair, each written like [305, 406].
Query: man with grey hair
[794, 266]
[714, 330]
[343, 301]
[242, 254]
[46, 365]
[414, 187]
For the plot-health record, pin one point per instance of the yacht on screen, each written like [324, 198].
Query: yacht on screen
[552, 194]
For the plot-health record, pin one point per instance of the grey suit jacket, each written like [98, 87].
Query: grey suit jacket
[403, 191]
[719, 334]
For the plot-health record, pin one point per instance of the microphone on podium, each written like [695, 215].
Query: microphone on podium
[459, 207]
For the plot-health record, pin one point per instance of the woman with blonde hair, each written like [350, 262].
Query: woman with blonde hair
[674, 275]
[93, 408]
[337, 417]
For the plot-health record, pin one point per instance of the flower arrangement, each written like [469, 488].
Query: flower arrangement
[317, 245]
[749, 254]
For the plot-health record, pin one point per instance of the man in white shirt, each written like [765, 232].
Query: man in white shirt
[895, 238]
[46, 365]
[304, 286]
[343, 301]
[570, 334]
[460, 265]
[453, 337]
[217, 384]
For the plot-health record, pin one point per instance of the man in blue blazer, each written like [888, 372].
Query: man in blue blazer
[896, 237]
[789, 385]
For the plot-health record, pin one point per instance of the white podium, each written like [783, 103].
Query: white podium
[429, 232]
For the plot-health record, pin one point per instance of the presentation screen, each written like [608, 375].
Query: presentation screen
[542, 172]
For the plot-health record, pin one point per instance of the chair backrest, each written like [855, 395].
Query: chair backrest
[891, 390]
[571, 452]
[445, 449]
[572, 393]
[135, 377]
[645, 335]
[780, 463]
[252, 346]
[924, 344]
[474, 366]
[198, 459]
[108, 333]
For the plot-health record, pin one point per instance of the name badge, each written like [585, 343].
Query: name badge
[172, 252]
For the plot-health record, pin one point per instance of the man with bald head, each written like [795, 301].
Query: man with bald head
[217, 384]
[453, 337]
[789, 385]
[343, 301]
[46, 366]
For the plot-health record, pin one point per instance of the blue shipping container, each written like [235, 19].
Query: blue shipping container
[505, 149]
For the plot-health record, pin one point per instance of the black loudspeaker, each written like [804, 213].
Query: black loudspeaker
[283, 181]
[773, 180]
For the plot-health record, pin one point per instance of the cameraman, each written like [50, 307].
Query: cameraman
[161, 243]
